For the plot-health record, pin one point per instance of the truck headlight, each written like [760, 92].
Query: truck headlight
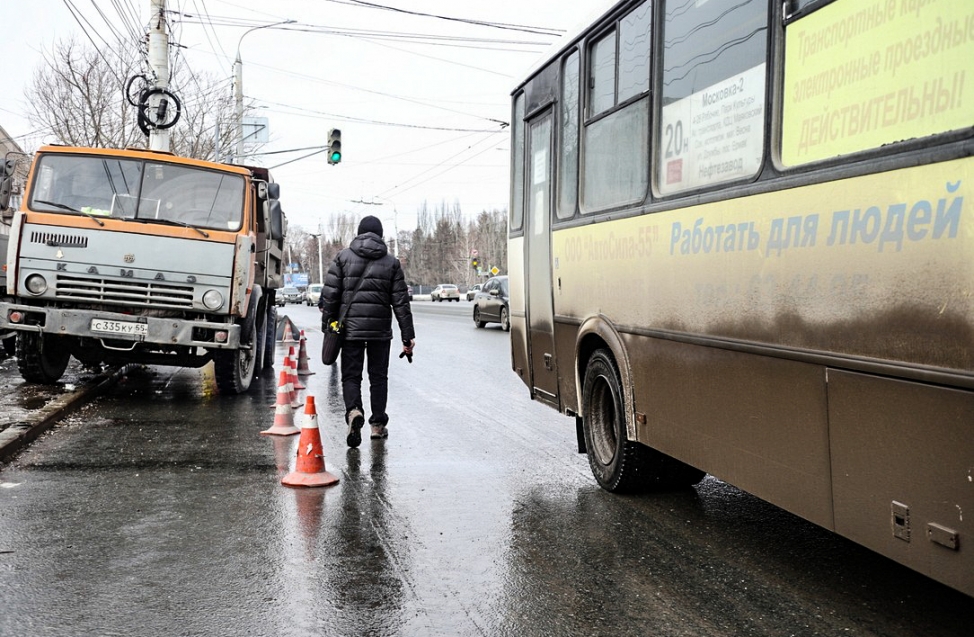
[36, 284]
[213, 300]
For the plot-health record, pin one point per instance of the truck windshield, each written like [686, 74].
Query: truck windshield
[137, 190]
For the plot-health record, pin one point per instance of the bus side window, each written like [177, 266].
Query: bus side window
[615, 164]
[517, 165]
[568, 148]
[711, 127]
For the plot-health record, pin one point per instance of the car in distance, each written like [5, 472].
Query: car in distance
[492, 304]
[472, 292]
[289, 295]
[314, 293]
[445, 292]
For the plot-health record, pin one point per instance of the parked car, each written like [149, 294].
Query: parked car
[314, 293]
[289, 295]
[472, 292]
[492, 304]
[445, 292]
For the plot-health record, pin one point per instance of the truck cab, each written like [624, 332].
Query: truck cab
[131, 256]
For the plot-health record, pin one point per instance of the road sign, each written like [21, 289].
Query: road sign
[494, 271]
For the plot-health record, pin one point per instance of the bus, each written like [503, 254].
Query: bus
[738, 247]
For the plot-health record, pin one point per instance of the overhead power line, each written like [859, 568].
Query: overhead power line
[348, 118]
[482, 23]
[409, 36]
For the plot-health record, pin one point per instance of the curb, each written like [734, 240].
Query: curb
[20, 434]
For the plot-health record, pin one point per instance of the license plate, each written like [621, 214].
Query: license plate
[119, 327]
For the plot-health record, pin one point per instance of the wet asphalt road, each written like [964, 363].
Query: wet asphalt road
[157, 510]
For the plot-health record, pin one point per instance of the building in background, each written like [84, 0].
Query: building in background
[8, 146]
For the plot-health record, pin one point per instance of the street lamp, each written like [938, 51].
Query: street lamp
[238, 86]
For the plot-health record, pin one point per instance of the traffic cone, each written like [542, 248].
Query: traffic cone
[283, 412]
[298, 385]
[309, 471]
[288, 336]
[303, 369]
[295, 403]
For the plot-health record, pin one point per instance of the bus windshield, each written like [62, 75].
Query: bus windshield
[137, 190]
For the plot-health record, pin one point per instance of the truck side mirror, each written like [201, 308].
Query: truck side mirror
[7, 167]
[273, 191]
[275, 216]
[6, 189]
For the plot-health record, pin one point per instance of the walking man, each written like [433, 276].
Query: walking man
[367, 284]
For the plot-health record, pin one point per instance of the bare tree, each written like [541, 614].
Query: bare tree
[78, 94]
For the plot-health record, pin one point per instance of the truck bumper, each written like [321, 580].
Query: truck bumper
[157, 331]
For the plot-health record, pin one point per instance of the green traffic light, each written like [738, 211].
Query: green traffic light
[336, 157]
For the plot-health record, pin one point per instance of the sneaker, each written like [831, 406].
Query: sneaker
[355, 421]
[379, 431]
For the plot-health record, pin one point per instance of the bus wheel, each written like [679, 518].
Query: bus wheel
[41, 358]
[234, 369]
[618, 464]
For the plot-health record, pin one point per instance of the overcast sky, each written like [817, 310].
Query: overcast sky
[389, 96]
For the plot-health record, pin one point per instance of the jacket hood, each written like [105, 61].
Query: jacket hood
[369, 246]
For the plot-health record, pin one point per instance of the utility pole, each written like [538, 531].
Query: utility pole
[159, 65]
[321, 267]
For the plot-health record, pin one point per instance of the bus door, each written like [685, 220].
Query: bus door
[537, 245]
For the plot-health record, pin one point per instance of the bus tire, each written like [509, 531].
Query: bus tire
[234, 369]
[618, 464]
[41, 358]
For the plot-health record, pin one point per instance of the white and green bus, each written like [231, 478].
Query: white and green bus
[742, 243]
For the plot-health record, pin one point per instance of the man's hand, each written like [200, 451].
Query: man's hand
[407, 349]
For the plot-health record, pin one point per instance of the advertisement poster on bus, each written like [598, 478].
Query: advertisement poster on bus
[859, 76]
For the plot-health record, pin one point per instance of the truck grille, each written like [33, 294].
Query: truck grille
[59, 239]
[130, 293]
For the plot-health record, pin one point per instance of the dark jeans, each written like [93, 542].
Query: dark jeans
[354, 354]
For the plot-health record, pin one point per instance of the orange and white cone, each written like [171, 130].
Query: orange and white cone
[309, 471]
[295, 402]
[303, 369]
[283, 412]
[288, 336]
[298, 385]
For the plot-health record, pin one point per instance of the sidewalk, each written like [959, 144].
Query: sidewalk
[27, 410]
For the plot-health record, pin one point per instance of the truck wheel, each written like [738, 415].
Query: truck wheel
[234, 369]
[618, 464]
[41, 358]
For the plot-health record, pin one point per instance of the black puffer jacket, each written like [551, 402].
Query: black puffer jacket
[383, 292]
